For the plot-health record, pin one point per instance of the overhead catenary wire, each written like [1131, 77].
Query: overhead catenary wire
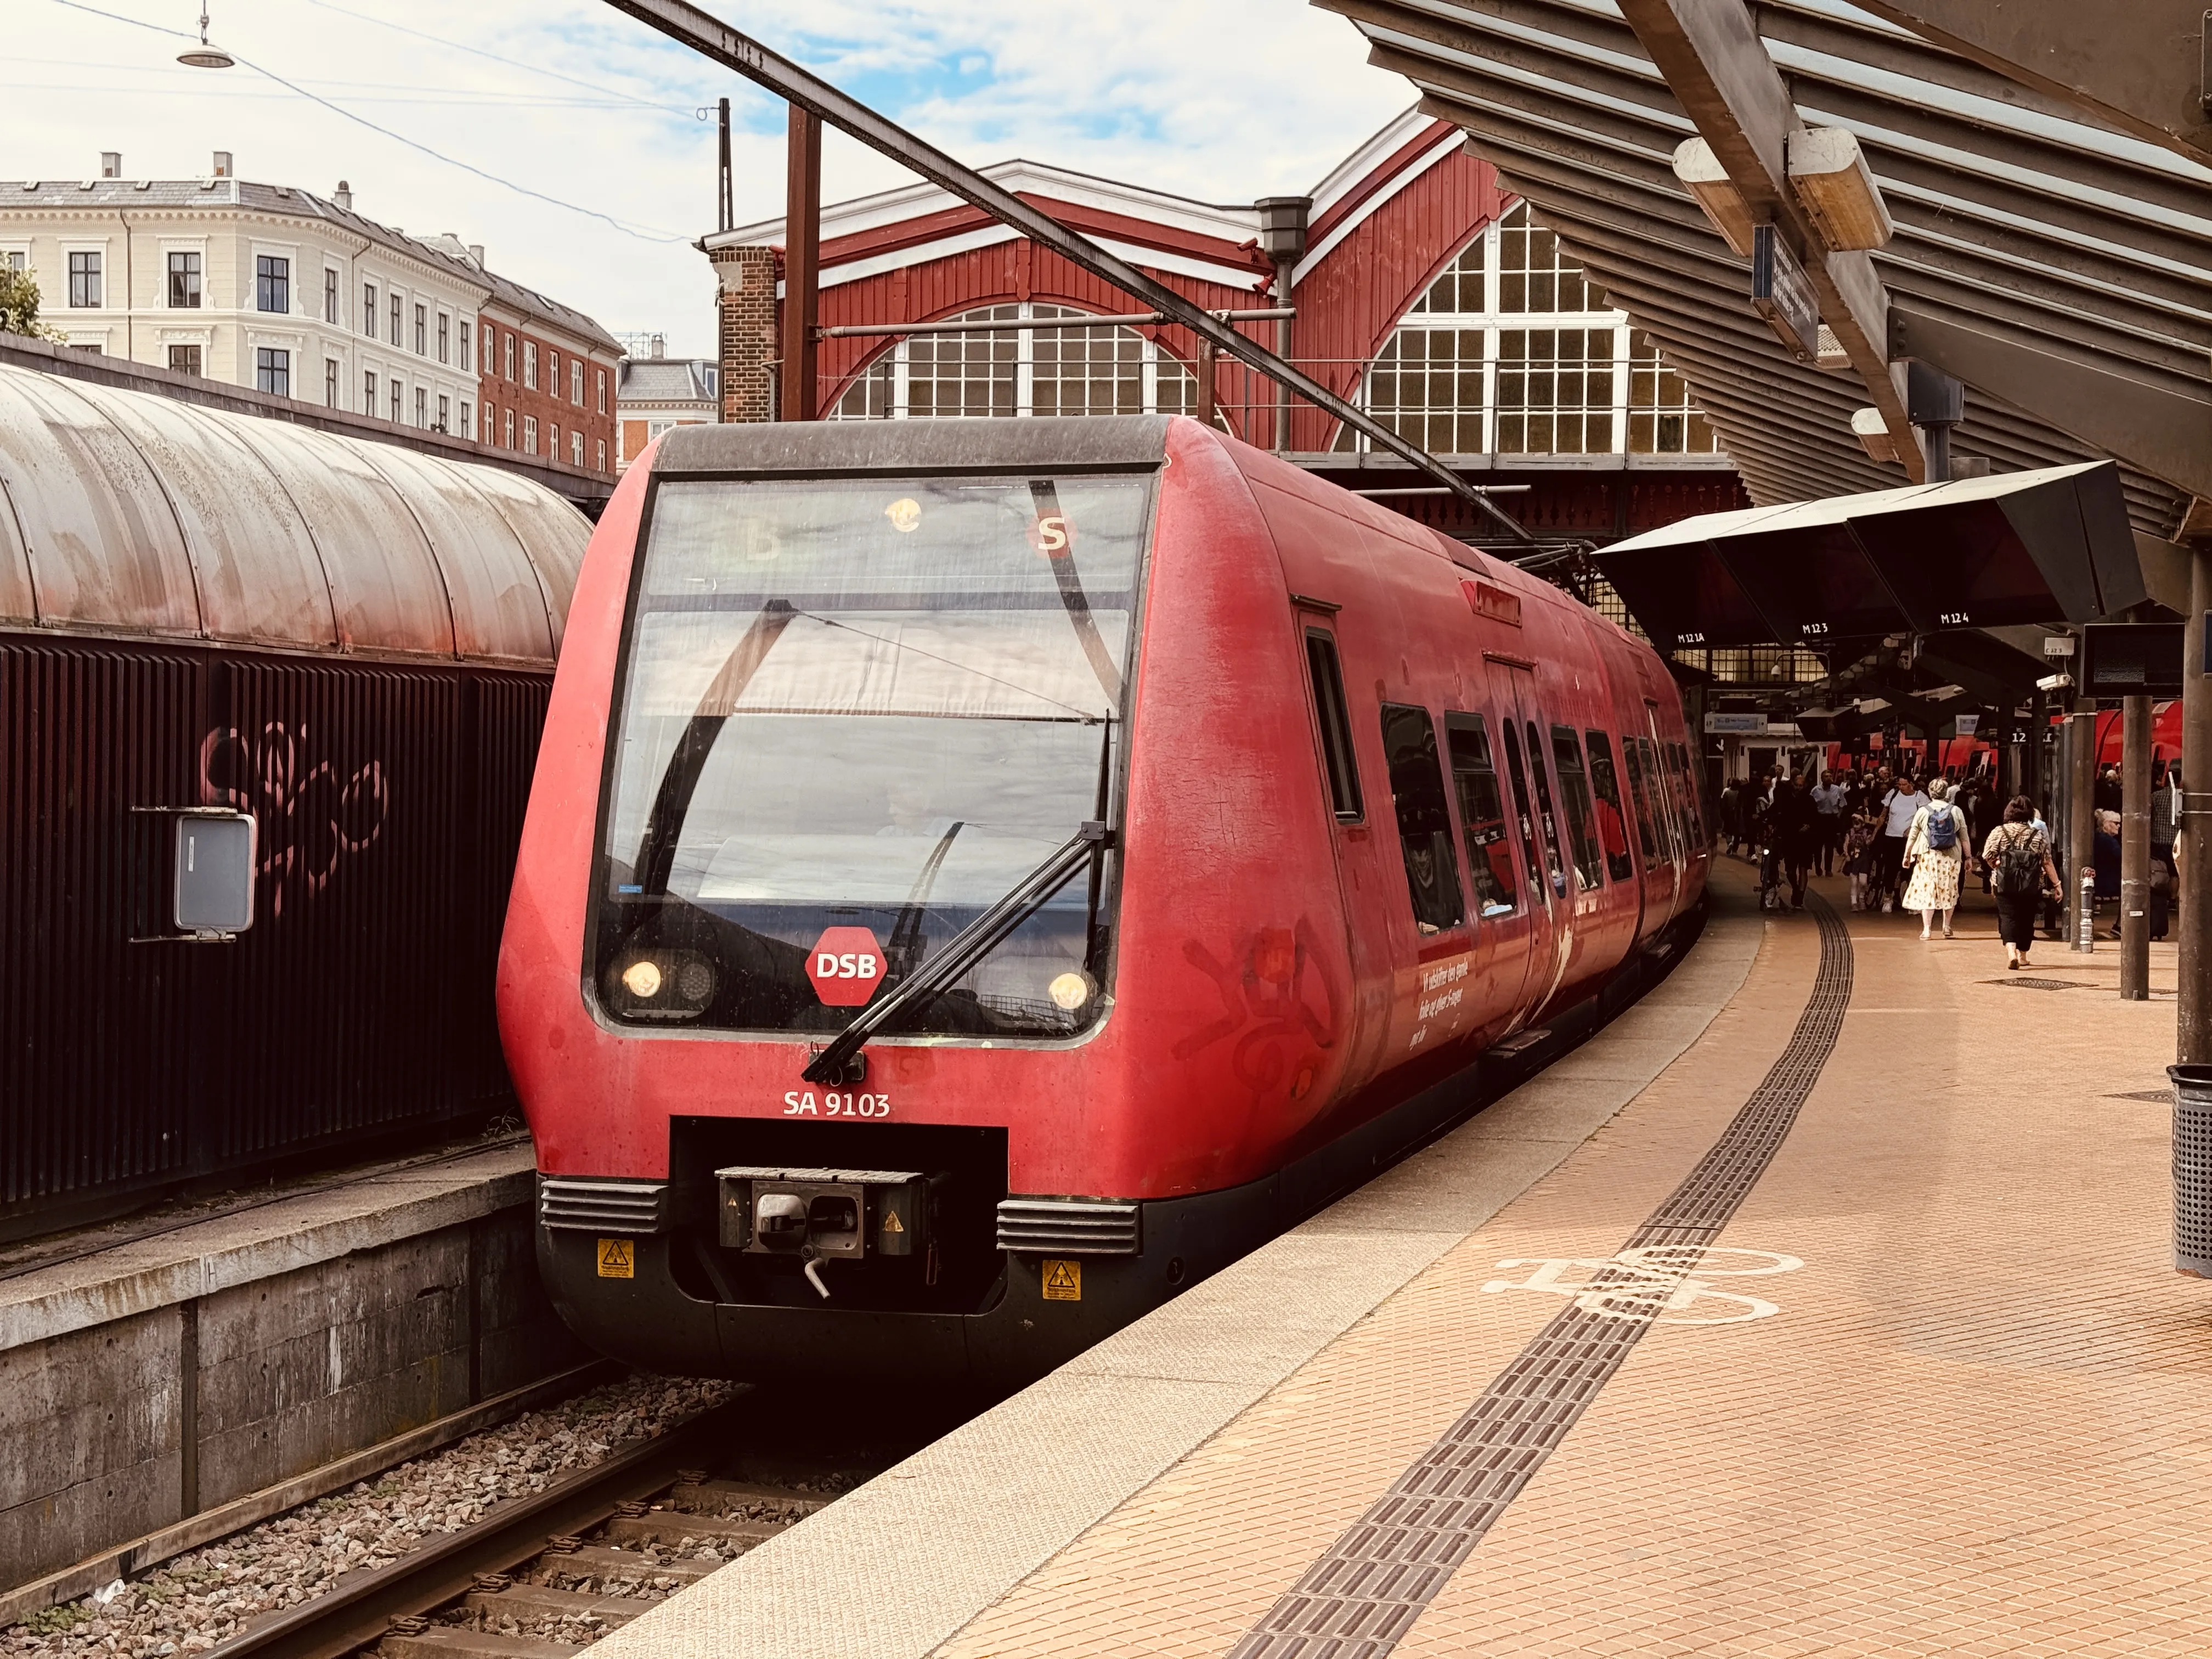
[642, 235]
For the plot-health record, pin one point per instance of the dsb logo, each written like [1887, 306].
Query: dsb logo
[845, 965]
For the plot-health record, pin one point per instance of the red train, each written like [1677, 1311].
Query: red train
[1176, 830]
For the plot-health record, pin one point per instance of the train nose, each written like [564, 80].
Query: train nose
[779, 1220]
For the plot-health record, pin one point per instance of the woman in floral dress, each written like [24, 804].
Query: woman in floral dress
[1936, 848]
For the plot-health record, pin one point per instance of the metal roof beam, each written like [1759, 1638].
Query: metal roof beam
[1712, 57]
[2143, 74]
[2165, 432]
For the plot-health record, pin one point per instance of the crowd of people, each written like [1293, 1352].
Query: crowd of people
[1909, 843]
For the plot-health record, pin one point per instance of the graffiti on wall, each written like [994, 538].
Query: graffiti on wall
[312, 815]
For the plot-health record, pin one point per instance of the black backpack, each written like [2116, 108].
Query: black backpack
[2017, 868]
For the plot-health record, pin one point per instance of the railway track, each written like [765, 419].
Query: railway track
[548, 1575]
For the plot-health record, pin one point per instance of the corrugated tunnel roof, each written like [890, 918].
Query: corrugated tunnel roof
[124, 514]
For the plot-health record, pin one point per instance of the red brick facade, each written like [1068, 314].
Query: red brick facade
[569, 415]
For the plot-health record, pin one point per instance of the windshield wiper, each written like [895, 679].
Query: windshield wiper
[963, 950]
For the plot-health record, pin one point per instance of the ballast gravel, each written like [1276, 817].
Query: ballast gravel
[190, 1604]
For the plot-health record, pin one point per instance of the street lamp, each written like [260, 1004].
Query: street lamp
[206, 55]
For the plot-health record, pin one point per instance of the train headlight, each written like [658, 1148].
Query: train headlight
[905, 514]
[642, 978]
[1070, 991]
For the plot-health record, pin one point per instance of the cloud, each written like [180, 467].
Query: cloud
[1221, 100]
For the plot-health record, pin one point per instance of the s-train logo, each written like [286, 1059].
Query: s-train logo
[845, 965]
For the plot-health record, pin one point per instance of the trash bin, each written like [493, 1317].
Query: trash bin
[2192, 1169]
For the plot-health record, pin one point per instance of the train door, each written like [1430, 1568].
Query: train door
[1514, 688]
[1504, 873]
[1368, 956]
[1652, 748]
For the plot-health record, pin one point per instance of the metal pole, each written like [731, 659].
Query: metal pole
[2134, 849]
[726, 212]
[2031, 755]
[1283, 351]
[802, 263]
[712, 37]
[2193, 1030]
[2080, 821]
[1204, 412]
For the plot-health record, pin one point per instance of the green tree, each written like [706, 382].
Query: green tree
[19, 306]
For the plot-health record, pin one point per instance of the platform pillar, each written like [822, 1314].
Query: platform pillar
[2193, 846]
[2134, 849]
[2080, 824]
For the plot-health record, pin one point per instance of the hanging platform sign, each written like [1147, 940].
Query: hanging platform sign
[1781, 293]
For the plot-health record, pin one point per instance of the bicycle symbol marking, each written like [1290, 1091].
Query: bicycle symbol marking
[1658, 1283]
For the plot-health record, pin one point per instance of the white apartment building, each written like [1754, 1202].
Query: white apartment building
[259, 285]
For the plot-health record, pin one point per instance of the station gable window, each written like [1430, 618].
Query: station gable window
[1509, 351]
[1103, 370]
[1661, 418]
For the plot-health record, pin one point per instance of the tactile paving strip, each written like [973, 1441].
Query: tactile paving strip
[1360, 1600]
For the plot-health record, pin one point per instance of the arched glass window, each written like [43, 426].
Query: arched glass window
[1106, 369]
[1509, 351]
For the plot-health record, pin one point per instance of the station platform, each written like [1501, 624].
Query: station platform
[1821, 1303]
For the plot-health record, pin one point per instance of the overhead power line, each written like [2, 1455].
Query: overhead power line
[642, 235]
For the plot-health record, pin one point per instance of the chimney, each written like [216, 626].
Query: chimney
[343, 196]
[111, 164]
[659, 345]
[222, 164]
[476, 253]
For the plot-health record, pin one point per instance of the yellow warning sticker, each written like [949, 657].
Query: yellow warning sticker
[891, 1223]
[617, 1258]
[1063, 1281]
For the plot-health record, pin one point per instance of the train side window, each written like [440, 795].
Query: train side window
[1670, 826]
[1482, 817]
[1686, 777]
[1522, 807]
[1574, 799]
[1640, 800]
[1335, 726]
[1417, 788]
[1611, 826]
[1545, 821]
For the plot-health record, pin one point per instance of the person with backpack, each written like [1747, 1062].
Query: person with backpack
[1935, 849]
[1900, 809]
[2018, 854]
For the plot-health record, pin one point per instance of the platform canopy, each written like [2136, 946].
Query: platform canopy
[2056, 260]
[2013, 548]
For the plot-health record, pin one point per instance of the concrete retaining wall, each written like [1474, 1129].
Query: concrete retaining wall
[165, 1377]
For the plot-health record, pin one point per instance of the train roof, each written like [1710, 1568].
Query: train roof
[1096, 442]
[126, 513]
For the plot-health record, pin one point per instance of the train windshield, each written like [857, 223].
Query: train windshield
[855, 713]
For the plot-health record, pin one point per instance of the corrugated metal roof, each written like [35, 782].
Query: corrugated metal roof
[126, 513]
[2017, 219]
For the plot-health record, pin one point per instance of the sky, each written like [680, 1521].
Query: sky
[1224, 101]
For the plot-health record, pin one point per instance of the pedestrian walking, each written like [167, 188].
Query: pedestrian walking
[2165, 831]
[1795, 826]
[2018, 857]
[1858, 855]
[1936, 848]
[1732, 814]
[1831, 800]
[1899, 807]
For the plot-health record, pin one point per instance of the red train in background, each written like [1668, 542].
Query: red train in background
[982, 877]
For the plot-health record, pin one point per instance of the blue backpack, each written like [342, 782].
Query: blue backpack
[1942, 827]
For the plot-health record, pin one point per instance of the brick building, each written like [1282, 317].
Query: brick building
[548, 379]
